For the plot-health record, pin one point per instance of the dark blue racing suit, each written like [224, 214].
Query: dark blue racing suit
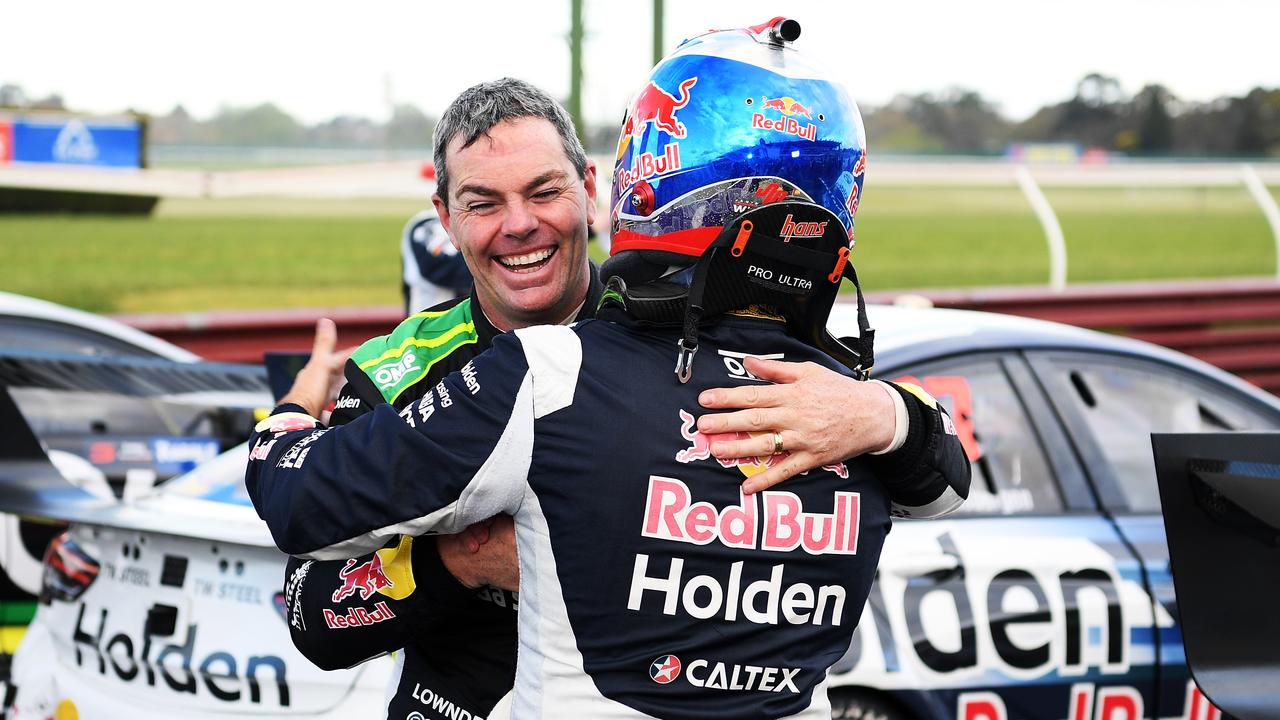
[455, 648]
[650, 586]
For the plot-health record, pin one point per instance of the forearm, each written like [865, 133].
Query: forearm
[928, 475]
[344, 612]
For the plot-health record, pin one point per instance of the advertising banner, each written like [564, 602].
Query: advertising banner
[6, 140]
[76, 140]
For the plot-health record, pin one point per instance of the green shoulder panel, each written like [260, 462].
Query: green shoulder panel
[396, 361]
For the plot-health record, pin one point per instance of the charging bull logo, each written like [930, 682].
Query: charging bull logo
[748, 466]
[787, 106]
[659, 107]
[365, 578]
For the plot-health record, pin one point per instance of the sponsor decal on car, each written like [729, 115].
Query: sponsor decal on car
[143, 659]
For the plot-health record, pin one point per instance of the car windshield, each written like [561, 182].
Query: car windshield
[218, 480]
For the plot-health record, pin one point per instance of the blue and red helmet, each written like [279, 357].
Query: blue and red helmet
[731, 121]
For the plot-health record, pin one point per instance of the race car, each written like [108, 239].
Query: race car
[105, 441]
[1048, 595]
[166, 603]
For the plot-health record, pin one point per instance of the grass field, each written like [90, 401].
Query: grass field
[274, 253]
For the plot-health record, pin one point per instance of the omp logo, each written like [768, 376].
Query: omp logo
[665, 669]
[391, 373]
[737, 370]
[75, 144]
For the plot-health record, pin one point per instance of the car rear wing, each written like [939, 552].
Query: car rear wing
[1220, 494]
[139, 377]
[31, 485]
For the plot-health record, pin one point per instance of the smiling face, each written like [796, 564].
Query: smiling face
[518, 213]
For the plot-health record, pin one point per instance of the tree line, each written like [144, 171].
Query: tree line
[1153, 122]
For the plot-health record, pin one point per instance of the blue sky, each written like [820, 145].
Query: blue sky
[322, 58]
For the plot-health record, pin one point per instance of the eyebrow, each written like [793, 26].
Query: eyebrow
[484, 191]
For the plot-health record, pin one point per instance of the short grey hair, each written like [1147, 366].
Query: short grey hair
[482, 106]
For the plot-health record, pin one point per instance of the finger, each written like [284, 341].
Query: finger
[758, 446]
[326, 338]
[738, 397]
[785, 470]
[340, 357]
[751, 420]
[779, 371]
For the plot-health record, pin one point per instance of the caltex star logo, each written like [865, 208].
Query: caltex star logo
[665, 669]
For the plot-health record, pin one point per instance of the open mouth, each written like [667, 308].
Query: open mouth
[528, 262]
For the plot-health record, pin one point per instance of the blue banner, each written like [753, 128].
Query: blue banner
[72, 140]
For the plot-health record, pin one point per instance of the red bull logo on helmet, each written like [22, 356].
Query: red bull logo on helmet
[791, 109]
[851, 204]
[649, 165]
[787, 106]
[749, 466]
[657, 106]
[366, 578]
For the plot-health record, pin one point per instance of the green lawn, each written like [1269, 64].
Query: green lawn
[952, 237]
[200, 255]
[274, 253]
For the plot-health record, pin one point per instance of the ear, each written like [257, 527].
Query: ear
[589, 181]
[445, 220]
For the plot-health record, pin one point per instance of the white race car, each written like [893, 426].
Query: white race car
[171, 606]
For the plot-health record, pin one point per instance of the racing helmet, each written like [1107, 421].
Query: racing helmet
[737, 178]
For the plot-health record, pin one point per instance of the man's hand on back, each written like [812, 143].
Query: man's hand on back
[821, 417]
[483, 554]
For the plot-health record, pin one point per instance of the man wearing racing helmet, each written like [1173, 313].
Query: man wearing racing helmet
[519, 415]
